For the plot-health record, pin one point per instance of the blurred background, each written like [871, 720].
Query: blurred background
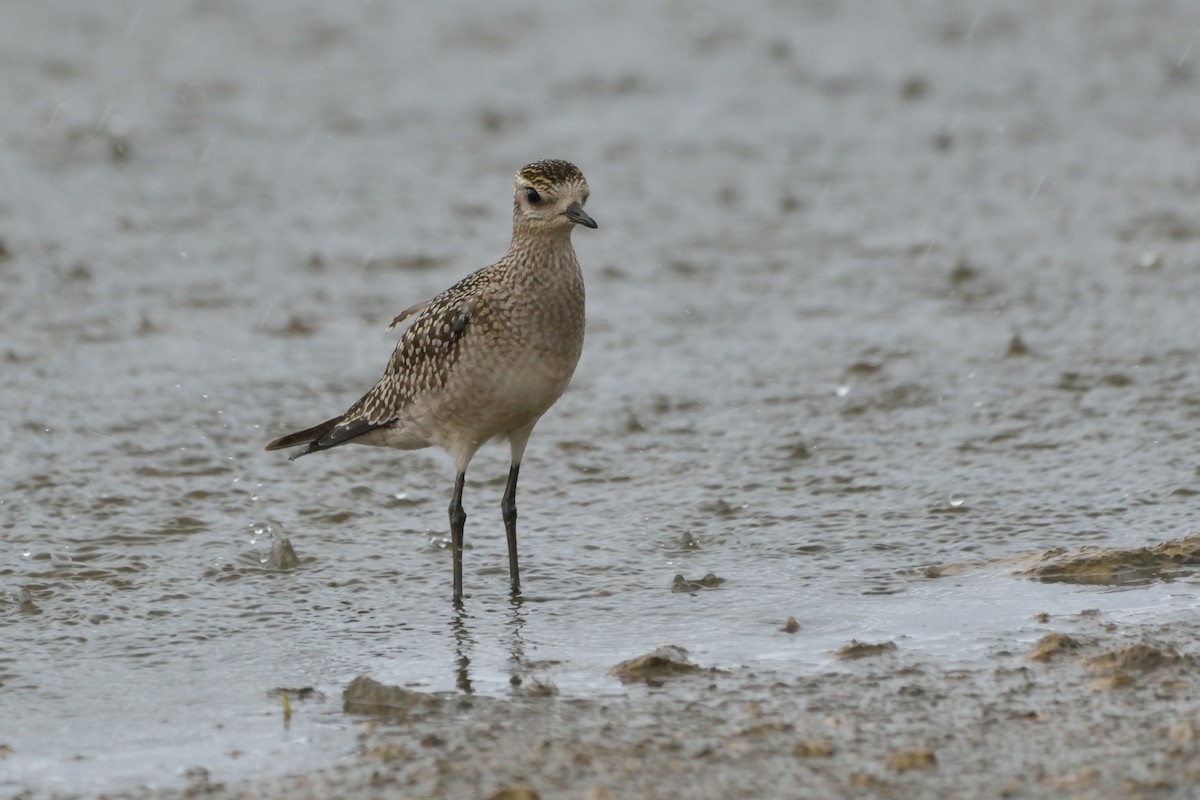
[876, 287]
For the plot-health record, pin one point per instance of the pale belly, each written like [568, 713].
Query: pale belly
[507, 398]
[480, 404]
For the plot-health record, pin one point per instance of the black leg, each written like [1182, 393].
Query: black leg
[458, 519]
[508, 507]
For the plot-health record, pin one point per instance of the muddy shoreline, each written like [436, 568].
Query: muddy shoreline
[1110, 714]
[1097, 706]
[885, 298]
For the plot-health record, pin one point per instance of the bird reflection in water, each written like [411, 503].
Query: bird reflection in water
[464, 645]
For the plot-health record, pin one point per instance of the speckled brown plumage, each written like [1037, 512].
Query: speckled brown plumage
[548, 173]
[487, 357]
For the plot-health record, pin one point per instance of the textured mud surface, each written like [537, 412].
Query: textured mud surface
[1113, 715]
[889, 387]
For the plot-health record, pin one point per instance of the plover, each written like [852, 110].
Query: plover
[486, 358]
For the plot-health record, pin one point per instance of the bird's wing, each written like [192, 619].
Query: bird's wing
[420, 364]
[408, 312]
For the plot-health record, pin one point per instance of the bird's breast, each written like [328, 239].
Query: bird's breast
[519, 354]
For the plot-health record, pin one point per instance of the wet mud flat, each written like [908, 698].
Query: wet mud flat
[878, 474]
[1097, 706]
[1094, 709]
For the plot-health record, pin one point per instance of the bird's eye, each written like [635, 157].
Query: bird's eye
[532, 195]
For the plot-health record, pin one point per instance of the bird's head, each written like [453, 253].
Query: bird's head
[549, 198]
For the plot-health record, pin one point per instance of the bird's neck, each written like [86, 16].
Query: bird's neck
[551, 249]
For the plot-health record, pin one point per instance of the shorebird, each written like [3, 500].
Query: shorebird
[486, 358]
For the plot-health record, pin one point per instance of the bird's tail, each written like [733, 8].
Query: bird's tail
[309, 436]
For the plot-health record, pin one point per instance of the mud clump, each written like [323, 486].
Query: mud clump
[1051, 645]
[665, 662]
[682, 584]
[1117, 566]
[369, 697]
[1094, 565]
[813, 748]
[519, 792]
[539, 689]
[908, 758]
[857, 649]
[1133, 658]
[1117, 680]
[1016, 347]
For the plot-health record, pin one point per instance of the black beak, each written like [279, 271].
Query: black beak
[575, 213]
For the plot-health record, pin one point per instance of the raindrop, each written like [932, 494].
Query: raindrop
[956, 500]
[1150, 260]
[1037, 188]
[341, 194]
[842, 391]
[117, 126]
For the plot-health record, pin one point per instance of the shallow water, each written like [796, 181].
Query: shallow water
[874, 289]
